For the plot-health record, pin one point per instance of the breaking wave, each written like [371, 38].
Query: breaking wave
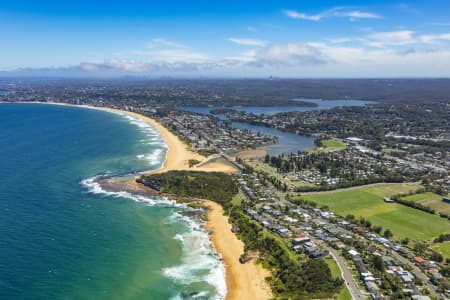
[199, 262]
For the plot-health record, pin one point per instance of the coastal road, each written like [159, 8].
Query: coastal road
[347, 275]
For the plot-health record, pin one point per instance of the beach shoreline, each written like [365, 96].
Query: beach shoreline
[244, 281]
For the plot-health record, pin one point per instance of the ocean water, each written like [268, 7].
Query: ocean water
[63, 237]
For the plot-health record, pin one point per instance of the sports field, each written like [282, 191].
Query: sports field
[431, 200]
[368, 202]
[330, 145]
[443, 248]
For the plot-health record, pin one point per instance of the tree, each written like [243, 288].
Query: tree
[378, 263]
[350, 217]
[420, 247]
[436, 257]
[405, 241]
[388, 234]
[377, 229]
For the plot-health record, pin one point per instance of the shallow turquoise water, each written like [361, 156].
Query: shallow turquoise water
[62, 239]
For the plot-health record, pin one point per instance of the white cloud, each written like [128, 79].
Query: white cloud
[430, 38]
[361, 62]
[402, 38]
[391, 38]
[251, 28]
[172, 55]
[248, 42]
[395, 53]
[340, 40]
[356, 14]
[163, 43]
[298, 15]
[167, 51]
[288, 55]
[333, 12]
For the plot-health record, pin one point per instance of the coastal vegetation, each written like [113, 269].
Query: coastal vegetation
[293, 276]
[344, 293]
[368, 203]
[215, 186]
[193, 162]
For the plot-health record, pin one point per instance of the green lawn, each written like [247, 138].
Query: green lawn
[443, 249]
[390, 150]
[344, 293]
[236, 201]
[330, 145]
[368, 202]
[431, 200]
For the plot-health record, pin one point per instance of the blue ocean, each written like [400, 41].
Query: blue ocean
[63, 237]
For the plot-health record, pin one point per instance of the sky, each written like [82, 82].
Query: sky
[215, 38]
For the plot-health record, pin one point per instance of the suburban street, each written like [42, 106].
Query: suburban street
[345, 271]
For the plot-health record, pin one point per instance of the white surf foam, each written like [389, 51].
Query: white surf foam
[92, 186]
[153, 158]
[200, 262]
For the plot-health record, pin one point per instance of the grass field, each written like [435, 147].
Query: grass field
[443, 248]
[236, 201]
[344, 294]
[389, 150]
[368, 202]
[431, 200]
[329, 145]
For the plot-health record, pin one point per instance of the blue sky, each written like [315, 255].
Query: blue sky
[226, 38]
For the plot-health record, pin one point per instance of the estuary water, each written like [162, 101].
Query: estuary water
[272, 110]
[63, 237]
[286, 142]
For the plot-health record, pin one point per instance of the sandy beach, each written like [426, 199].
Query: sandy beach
[178, 153]
[244, 281]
